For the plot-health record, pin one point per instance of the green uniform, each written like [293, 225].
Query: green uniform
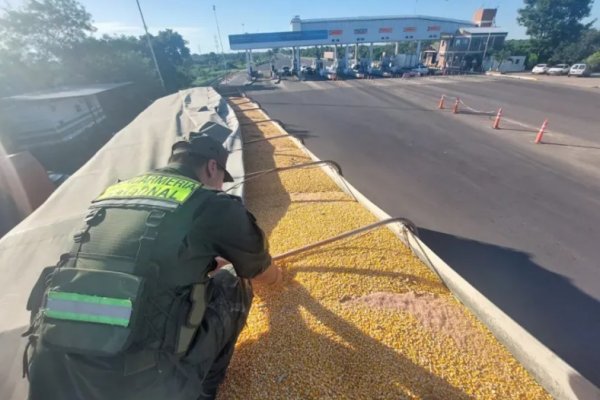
[169, 362]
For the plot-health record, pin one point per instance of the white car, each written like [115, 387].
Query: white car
[559, 69]
[540, 69]
[580, 70]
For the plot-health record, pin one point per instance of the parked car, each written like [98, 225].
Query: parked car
[375, 71]
[355, 71]
[580, 70]
[285, 71]
[540, 69]
[421, 70]
[559, 69]
[306, 69]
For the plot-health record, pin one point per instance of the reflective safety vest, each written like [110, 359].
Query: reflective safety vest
[122, 288]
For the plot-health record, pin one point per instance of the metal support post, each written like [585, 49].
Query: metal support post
[248, 63]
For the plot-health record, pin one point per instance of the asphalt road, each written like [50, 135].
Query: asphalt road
[518, 221]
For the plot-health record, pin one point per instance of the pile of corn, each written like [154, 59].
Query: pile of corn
[311, 339]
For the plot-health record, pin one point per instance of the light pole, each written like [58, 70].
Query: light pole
[162, 82]
[220, 41]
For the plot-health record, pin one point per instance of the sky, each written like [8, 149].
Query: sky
[195, 20]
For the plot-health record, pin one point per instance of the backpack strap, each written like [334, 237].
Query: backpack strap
[92, 218]
[146, 241]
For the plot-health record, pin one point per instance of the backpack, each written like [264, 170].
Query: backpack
[110, 306]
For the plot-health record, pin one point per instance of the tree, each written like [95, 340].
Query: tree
[578, 51]
[173, 57]
[522, 47]
[44, 29]
[110, 59]
[171, 47]
[47, 43]
[554, 23]
[594, 61]
[501, 55]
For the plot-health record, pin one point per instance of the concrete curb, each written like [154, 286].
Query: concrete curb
[551, 372]
[525, 78]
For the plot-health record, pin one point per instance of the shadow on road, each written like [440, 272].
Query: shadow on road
[299, 133]
[572, 145]
[546, 304]
[235, 90]
[518, 130]
[330, 105]
[469, 112]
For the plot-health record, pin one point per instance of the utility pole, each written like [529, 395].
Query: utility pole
[162, 82]
[220, 41]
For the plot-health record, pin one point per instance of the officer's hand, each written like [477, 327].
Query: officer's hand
[272, 276]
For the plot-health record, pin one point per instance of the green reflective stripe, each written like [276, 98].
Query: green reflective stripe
[89, 299]
[174, 189]
[71, 316]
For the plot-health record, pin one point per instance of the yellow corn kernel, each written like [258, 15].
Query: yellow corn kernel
[314, 339]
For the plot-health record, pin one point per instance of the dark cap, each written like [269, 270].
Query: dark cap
[207, 147]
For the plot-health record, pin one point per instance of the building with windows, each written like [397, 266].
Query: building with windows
[469, 48]
[463, 44]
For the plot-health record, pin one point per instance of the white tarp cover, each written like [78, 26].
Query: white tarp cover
[39, 240]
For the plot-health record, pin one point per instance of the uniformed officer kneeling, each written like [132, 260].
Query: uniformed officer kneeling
[145, 305]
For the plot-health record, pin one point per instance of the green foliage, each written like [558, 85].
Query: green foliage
[208, 67]
[171, 47]
[173, 58]
[47, 43]
[44, 29]
[111, 59]
[554, 24]
[578, 51]
[522, 47]
[502, 55]
[532, 60]
[594, 61]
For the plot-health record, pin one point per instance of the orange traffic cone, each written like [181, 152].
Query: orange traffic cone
[441, 105]
[540, 135]
[455, 110]
[497, 121]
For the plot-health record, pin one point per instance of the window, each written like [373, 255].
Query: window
[497, 42]
[517, 61]
[477, 43]
[461, 44]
